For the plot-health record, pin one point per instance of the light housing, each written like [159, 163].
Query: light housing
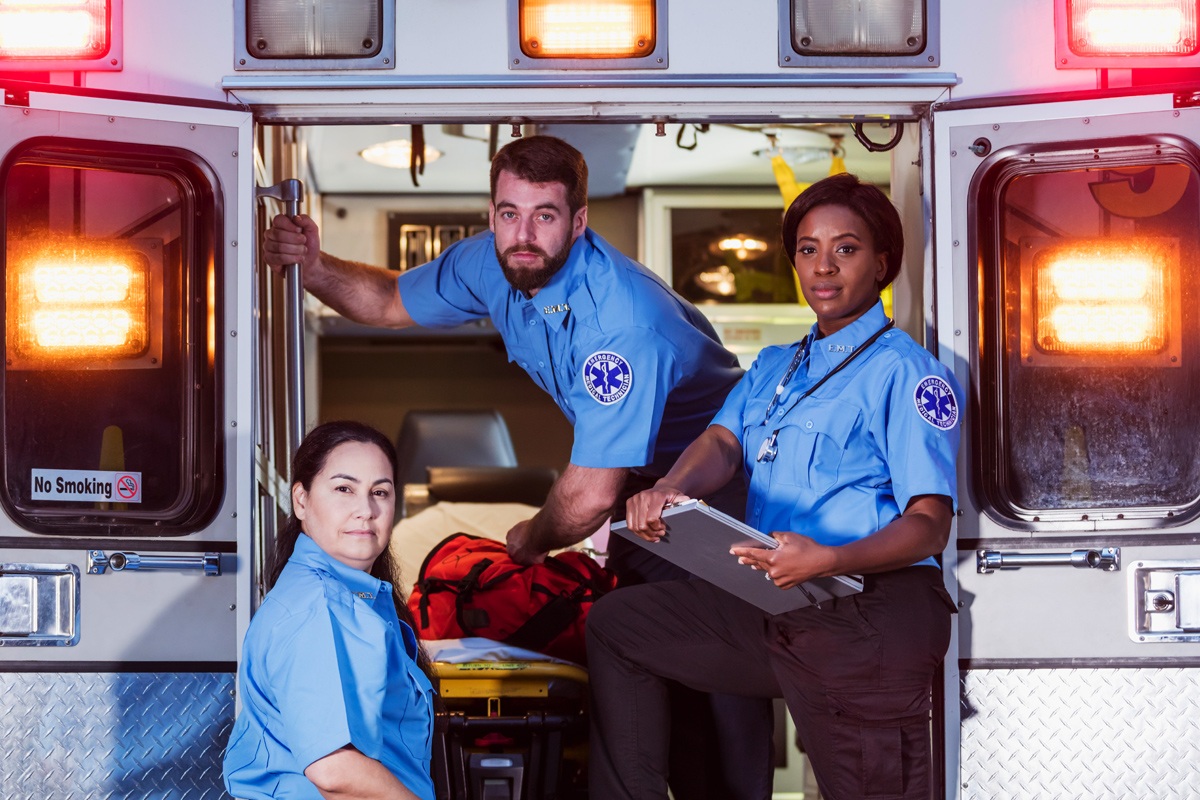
[60, 35]
[315, 34]
[1125, 34]
[1112, 299]
[816, 33]
[587, 34]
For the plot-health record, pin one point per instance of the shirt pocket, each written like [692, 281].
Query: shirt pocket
[417, 727]
[812, 443]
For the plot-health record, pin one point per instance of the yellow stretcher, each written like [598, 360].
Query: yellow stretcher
[513, 724]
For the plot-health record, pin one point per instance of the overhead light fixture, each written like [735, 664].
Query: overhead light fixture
[720, 281]
[396, 154]
[742, 247]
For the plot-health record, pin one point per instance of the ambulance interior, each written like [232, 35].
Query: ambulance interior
[699, 204]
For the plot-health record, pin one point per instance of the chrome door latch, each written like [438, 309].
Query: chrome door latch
[98, 562]
[1165, 601]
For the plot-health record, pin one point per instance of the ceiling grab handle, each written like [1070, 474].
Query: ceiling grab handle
[1105, 558]
[289, 192]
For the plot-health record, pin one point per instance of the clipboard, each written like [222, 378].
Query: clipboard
[698, 539]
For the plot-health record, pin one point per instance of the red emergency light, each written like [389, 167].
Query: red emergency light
[1124, 34]
[60, 35]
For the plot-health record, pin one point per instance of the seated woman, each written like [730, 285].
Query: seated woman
[849, 438]
[336, 701]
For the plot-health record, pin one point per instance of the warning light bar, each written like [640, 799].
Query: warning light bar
[46, 29]
[1103, 297]
[597, 34]
[74, 35]
[88, 302]
[1126, 33]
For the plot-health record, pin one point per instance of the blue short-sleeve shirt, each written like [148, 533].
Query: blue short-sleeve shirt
[636, 369]
[326, 663]
[850, 457]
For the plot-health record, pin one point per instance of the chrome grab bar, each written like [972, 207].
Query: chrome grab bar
[99, 562]
[1106, 558]
[289, 192]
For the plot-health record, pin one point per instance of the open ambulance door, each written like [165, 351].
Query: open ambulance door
[1068, 298]
[128, 440]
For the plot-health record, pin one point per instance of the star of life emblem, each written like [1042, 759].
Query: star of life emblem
[607, 376]
[936, 403]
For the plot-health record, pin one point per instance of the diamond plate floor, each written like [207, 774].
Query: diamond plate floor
[1081, 734]
[93, 736]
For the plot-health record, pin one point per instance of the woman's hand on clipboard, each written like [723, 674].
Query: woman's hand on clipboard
[643, 511]
[797, 559]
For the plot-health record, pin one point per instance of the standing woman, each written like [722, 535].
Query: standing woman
[336, 699]
[849, 438]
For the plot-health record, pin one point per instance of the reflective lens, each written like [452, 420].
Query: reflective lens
[858, 27]
[49, 29]
[1132, 27]
[1105, 296]
[313, 28]
[587, 28]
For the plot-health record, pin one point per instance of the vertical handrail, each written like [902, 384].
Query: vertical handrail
[289, 192]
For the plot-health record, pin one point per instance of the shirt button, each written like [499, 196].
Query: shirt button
[523, 364]
[533, 322]
[808, 424]
[541, 363]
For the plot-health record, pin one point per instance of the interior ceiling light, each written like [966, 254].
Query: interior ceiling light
[743, 248]
[396, 154]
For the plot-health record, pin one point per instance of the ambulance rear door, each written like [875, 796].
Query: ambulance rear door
[126, 423]
[1068, 287]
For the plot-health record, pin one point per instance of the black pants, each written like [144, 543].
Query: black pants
[856, 675]
[720, 745]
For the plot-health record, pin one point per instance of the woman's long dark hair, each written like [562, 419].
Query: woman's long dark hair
[308, 462]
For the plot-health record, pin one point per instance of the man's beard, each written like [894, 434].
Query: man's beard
[528, 280]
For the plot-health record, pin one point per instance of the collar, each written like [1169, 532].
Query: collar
[553, 301]
[832, 350]
[360, 583]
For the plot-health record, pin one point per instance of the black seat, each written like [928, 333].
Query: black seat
[434, 438]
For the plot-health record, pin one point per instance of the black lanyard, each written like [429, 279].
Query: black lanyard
[768, 450]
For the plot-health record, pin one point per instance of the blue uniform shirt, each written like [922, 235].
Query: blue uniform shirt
[853, 454]
[637, 370]
[326, 663]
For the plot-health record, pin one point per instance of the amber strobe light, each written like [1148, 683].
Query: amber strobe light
[1132, 27]
[32, 29]
[587, 28]
[1103, 297]
[86, 302]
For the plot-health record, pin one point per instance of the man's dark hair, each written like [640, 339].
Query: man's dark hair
[544, 159]
[865, 200]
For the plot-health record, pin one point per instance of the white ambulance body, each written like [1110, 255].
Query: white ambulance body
[1044, 157]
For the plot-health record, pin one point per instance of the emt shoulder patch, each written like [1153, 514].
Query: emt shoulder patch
[936, 403]
[607, 376]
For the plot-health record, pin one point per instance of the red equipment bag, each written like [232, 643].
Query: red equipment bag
[468, 586]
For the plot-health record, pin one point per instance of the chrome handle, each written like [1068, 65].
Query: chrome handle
[289, 192]
[98, 562]
[1106, 558]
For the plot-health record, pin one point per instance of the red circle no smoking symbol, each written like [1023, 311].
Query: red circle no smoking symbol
[127, 486]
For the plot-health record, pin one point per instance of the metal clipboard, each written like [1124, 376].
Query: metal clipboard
[698, 539]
